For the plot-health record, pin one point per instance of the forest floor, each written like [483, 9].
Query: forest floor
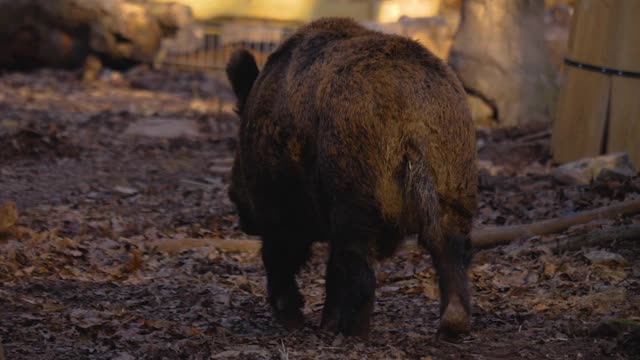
[120, 187]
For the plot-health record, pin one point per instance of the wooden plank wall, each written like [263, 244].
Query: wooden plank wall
[599, 113]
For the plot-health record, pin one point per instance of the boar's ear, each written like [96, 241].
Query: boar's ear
[242, 71]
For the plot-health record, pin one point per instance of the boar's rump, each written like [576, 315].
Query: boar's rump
[357, 138]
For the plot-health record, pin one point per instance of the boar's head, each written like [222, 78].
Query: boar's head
[239, 195]
[242, 71]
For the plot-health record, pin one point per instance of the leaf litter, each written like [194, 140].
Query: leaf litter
[118, 245]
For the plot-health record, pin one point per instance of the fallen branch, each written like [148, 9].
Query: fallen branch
[594, 238]
[492, 236]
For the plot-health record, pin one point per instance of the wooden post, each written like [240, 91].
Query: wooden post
[599, 104]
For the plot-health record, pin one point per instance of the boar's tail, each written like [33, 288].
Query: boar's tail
[242, 71]
[421, 195]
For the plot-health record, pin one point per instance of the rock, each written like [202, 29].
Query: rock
[171, 16]
[499, 52]
[125, 190]
[584, 171]
[124, 356]
[487, 167]
[251, 351]
[602, 257]
[112, 76]
[615, 174]
[222, 171]
[185, 41]
[92, 68]
[630, 341]
[167, 128]
[615, 328]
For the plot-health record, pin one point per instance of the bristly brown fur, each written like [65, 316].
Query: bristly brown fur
[354, 137]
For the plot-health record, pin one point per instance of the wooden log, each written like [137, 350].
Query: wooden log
[500, 235]
[492, 236]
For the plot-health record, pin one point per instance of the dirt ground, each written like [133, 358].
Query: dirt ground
[120, 187]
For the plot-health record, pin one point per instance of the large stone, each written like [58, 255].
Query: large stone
[584, 171]
[499, 52]
[171, 16]
[63, 32]
[606, 258]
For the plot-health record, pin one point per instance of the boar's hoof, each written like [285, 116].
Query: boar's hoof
[329, 324]
[455, 320]
[291, 320]
[353, 329]
[355, 325]
[360, 329]
[288, 315]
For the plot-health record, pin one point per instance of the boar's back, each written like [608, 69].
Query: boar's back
[335, 119]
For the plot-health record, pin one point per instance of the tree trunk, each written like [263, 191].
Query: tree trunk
[500, 55]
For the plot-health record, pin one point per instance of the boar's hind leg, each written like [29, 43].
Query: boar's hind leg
[283, 256]
[451, 254]
[350, 288]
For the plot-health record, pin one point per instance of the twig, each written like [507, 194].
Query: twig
[536, 136]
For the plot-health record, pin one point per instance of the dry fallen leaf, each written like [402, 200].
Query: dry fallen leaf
[540, 307]
[550, 268]
[601, 302]
[135, 263]
[613, 274]
[8, 216]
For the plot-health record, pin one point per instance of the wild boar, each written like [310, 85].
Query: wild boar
[360, 139]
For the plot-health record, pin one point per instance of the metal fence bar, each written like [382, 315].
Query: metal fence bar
[217, 46]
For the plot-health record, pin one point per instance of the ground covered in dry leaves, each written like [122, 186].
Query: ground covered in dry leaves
[120, 188]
